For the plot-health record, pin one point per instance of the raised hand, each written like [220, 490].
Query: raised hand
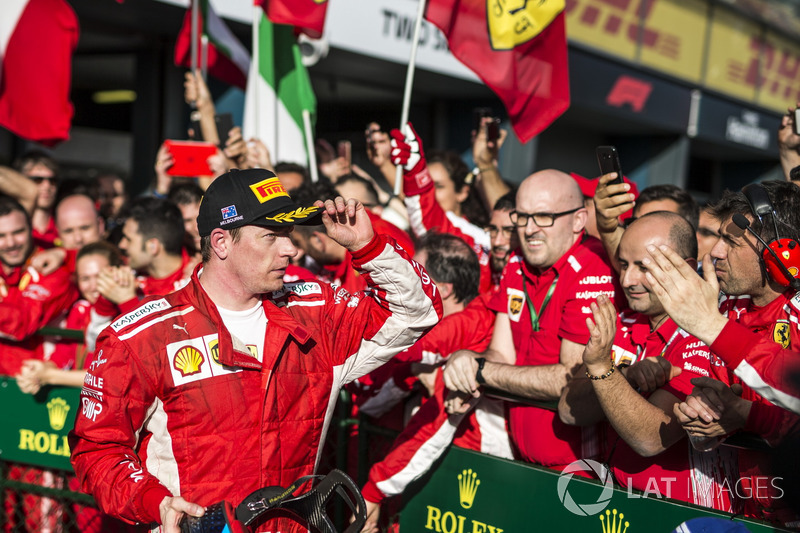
[346, 222]
[602, 329]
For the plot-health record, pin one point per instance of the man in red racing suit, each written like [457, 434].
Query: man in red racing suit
[227, 413]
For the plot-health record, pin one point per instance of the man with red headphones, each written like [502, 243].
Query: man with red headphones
[754, 327]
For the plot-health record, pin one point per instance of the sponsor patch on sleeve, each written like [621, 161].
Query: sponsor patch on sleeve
[195, 359]
[304, 288]
[139, 313]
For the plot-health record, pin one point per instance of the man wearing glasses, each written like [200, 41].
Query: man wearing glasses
[43, 171]
[540, 329]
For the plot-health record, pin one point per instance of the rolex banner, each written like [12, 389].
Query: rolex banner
[518, 49]
[35, 428]
[471, 492]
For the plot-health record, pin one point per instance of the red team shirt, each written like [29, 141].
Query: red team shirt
[678, 472]
[764, 331]
[583, 274]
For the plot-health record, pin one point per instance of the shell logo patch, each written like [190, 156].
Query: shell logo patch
[188, 361]
[515, 22]
[268, 189]
[516, 299]
[781, 333]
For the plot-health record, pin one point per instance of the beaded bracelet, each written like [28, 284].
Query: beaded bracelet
[604, 376]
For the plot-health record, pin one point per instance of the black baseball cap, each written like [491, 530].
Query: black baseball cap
[250, 197]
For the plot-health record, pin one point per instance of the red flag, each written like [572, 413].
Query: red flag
[307, 16]
[37, 39]
[518, 48]
[228, 60]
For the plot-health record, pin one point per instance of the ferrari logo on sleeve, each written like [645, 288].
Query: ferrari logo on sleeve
[268, 189]
[515, 22]
[516, 299]
[781, 333]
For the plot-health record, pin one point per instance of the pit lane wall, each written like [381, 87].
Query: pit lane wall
[470, 492]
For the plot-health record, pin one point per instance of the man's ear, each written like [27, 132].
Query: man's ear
[579, 221]
[692, 263]
[445, 289]
[220, 243]
[153, 246]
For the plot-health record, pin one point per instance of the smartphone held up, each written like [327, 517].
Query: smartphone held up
[608, 160]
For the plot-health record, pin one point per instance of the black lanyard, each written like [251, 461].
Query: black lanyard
[535, 316]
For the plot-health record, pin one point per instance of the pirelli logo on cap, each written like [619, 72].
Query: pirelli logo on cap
[268, 189]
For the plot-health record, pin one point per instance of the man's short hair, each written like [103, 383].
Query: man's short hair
[785, 198]
[687, 207]
[451, 260]
[205, 242]
[185, 194]
[158, 219]
[507, 202]
[33, 158]
[8, 205]
[682, 236]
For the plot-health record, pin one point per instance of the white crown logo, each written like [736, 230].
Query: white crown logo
[467, 487]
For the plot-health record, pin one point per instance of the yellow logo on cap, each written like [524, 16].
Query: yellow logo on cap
[615, 523]
[514, 22]
[301, 212]
[268, 189]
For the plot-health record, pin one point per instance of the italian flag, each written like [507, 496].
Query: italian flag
[278, 91]
[37, 40]
[228, 60]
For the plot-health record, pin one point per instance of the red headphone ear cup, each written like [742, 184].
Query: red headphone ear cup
[788, 252]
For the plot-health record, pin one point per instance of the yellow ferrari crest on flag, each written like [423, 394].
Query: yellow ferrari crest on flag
[514, 22]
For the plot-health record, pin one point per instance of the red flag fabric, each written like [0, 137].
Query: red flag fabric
[518, 48]
[228, 60]
[37, 40]
[307, 16]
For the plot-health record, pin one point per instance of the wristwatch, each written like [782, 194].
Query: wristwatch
[479, 375]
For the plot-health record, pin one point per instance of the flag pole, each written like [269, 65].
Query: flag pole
[255, 59]
[204, 56]
[398, 177]
[195, 20]
[312, 156]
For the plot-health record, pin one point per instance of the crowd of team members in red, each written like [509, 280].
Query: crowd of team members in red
[568, 290]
